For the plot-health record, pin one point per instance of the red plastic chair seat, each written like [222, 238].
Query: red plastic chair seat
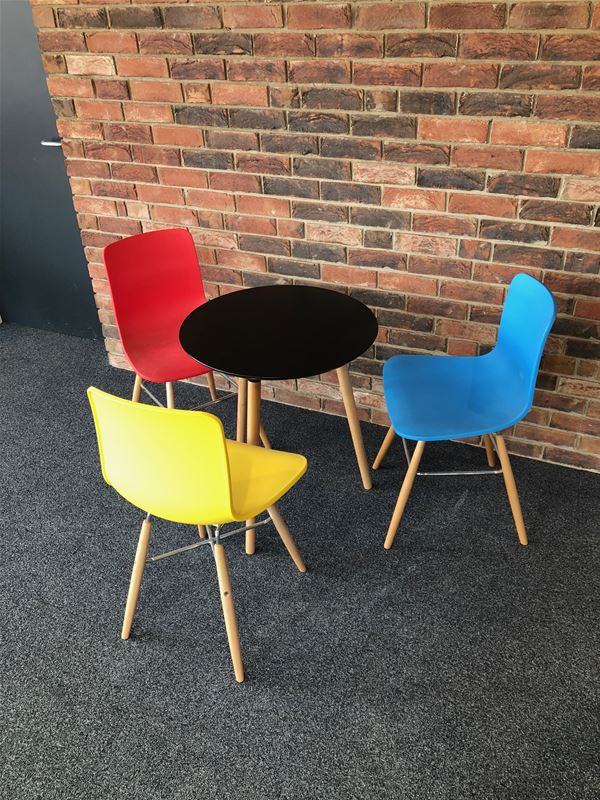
[155, 282]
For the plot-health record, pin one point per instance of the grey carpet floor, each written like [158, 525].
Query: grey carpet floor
[457, 665]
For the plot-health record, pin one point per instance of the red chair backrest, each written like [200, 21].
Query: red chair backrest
[154, 281]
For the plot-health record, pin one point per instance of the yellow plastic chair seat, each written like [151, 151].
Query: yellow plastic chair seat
[259, 477]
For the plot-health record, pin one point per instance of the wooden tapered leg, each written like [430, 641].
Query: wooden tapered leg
[170, 395]
[242, 401]
[136, 577]
[385, 446]
[211, 385]
[229, 612]
[286, 537]
[252, 437]
[202, 531]
[409, 479]
[511, 489]
[357, 439]
[264, 438]
[137, 389]
[489, 450]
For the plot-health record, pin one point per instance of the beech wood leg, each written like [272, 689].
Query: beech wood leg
[357, 439]
[264, 438]
[242, 400]
[252, 437]
[202, 531]
[489, 450]
[286, 537]
[511, 489]
[229, 612]
[137, 389]
[385, 446]
[409, 479]
[170, 395]
[210, 378]
[136, 577]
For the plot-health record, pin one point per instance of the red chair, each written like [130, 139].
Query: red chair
[155, 282]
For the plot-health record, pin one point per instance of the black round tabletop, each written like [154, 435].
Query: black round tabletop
[278, 332]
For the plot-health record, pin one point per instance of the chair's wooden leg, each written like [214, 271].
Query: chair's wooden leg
[264, 438]
[229, 612]
[489, 450]
[242, 402]
[170, 395]
[202, 531]
[137, 389]
[409, 479]
[252, 437]
[385, 446]
[511, 489]
[136, 577]
[286, 537]
[353, 422]
[211, 385]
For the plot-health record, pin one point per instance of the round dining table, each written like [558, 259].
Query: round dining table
[281, 332]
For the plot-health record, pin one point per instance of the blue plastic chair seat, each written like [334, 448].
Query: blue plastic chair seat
[432, 398]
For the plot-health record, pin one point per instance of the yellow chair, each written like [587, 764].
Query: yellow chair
[178, 465]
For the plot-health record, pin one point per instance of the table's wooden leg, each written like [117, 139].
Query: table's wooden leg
[252, 437]
[357, 439]
[241, 409]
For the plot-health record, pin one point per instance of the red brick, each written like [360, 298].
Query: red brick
[581, 189]
[178, 135]
[196, 93]
[70, 87]
[61, 41]
[43, 17]
[461, 16]
[548, 15]
[368, 172]
[111, 89]
[579, 239]
[482, 205]
[111, 42]
[387, 74]
[349, 45]
[403, 282]
[127, 133]
[591, 78]
[340, 234]
[160, 194]
[134, 172]
[256, 70]
[453, 130]
[174, 215]
[348, 276]
[313, 16]
[234, 182]
[75, 129]
[239, 95]
[168, 42]
[166, 91]
[98, 109]
[252, 16]
[588, 309]
[147, 112]
[390, 16]
[219, 201]
[501, 46]
[520, 132]
[568, 47]
[561, 162]
[142, 66]
[487, 157]
[264, 206]
[262, 226]
[183, 177]
[428, 245]
[481, 76]
[571, 106]
[90, 65]
[413, 198]
[284, 44]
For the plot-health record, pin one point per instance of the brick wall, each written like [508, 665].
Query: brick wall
[415, 154]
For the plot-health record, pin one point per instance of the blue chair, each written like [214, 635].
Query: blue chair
[433, 398]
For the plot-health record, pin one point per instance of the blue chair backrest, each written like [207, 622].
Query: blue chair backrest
[528, 315]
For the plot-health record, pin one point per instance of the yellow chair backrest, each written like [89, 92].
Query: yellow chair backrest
[170, 463]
